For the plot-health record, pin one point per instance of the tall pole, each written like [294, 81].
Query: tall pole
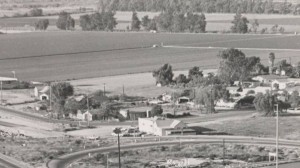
[119, 150]
[123, 90]
[223, 151]
[211, 100]
[1, 92]
[106, 160]
[14, 73]
[88, 108]
[277, 139]
[103, 89]
[50, 99]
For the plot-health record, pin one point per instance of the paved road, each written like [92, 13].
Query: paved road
[8, 164]
[65, 160]
[43, 119]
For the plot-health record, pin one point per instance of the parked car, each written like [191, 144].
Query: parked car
[293, 110]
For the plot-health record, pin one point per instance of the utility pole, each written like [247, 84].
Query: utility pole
[103, 89]
[224, 151]
[211, 100]
[88, 108]
[1, 91]
[123, 90]
[50, 99]
[277, 139]
[14, 72]
[107, 160]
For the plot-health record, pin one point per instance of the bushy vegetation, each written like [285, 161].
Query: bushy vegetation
[42, 24]
[36, 12]
[65, 21]
[206, 6]
[98, 21]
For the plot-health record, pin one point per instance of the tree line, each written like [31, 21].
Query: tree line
[234, 66]
[205, 6]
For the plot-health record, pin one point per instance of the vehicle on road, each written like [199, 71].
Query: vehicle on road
[293, 110]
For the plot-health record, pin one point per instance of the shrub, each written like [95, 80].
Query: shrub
[36, 12]
[42, 24]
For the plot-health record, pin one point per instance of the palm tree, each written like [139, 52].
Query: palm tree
[118, 131]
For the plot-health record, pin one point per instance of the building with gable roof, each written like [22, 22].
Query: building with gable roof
[164, 127]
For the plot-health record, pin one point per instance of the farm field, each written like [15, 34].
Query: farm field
[74, 55]
[215, 22]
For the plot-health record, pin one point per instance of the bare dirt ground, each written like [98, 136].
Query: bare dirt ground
[17, 96]
[141, 84]
[254, 125]
[28, 127]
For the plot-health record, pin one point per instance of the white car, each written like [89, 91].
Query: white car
[293, 110]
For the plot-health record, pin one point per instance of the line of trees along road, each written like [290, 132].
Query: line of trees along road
[207, 6]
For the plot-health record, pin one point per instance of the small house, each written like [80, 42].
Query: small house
[164, 127]
[87, 116]
[135, 113]
[268, 79]
[42, 92]
[183, 100]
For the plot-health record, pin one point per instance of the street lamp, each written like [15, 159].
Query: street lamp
[118, 131]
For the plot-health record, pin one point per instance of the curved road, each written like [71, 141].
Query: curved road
[65, 160]
[8, 164]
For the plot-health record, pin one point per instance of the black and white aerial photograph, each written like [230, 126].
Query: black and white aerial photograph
[149, 83]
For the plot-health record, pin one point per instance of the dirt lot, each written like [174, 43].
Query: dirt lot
[256, 126]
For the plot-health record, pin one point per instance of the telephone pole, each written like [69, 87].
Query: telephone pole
[277, 132]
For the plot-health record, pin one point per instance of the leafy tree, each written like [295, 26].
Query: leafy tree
[264, 103]
[98, 21]
[210, 95]
[181, 79]
[146, 21]
[135, 22]
[240, 24]
[156, 110]
[97, 99]
[269, 6]
[165, 20]
[42, 24]
[72, 105]
[178, 22]
[274, 28]
[164, 75]
[36, 12]
[200, 25]
[61, 91]
[255, 25]
[85, 22]
[294, 99]
[281, 30]
[194, 72]
[235, 65]
[65, 21]
[296, 71]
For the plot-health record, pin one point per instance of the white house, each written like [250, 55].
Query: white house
[87, 116]
[42, 93]
[166, 97]
[163, 127]
[283, 83]
[268, 78]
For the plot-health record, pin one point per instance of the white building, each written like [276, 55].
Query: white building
[42, 93]
[268, 78]
[164, 127]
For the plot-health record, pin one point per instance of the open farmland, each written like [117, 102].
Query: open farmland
[68, 55]
[215, 22]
